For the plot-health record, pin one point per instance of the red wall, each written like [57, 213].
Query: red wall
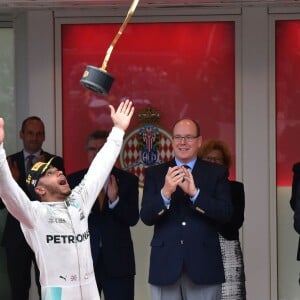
[287, 98]
[181, 69]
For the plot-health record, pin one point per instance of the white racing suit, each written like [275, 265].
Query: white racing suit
[58, 231]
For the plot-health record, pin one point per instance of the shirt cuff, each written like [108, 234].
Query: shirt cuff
[112, 205]
[193, 199]
[167, 202]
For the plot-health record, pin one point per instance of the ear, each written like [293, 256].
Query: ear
[40, 190]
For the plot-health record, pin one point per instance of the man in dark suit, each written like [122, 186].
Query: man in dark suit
[109, 224]
[19, 255]
[185, 199]
[295, 201]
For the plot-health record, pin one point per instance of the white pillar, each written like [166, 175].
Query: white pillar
[256, 149]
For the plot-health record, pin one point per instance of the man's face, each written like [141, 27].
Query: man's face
[33, 136]
[53, 185]
[93, 147]
[185, 141]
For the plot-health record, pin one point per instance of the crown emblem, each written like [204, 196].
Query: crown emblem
[149, 115]
[147, 145]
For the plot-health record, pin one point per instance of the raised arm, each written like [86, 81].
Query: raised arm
[122, 116]
[105, 159]
[14, 198]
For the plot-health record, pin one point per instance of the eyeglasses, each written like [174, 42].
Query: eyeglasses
[187, 138]
[213, 159]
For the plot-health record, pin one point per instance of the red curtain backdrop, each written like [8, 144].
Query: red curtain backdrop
[287, 98]
[181, 69]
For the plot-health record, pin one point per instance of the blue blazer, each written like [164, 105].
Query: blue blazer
[12, 235]
[112, 226]
[185, 235]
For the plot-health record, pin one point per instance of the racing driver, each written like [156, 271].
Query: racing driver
[56, 227]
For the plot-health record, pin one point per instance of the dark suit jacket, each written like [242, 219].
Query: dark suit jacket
[12, 235]
[185, 235]
[112, 226]
[230, 230]
[295, 201]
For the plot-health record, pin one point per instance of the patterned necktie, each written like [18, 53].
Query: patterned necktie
[29, 164]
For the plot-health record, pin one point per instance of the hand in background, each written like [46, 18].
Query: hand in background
[112, 189]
